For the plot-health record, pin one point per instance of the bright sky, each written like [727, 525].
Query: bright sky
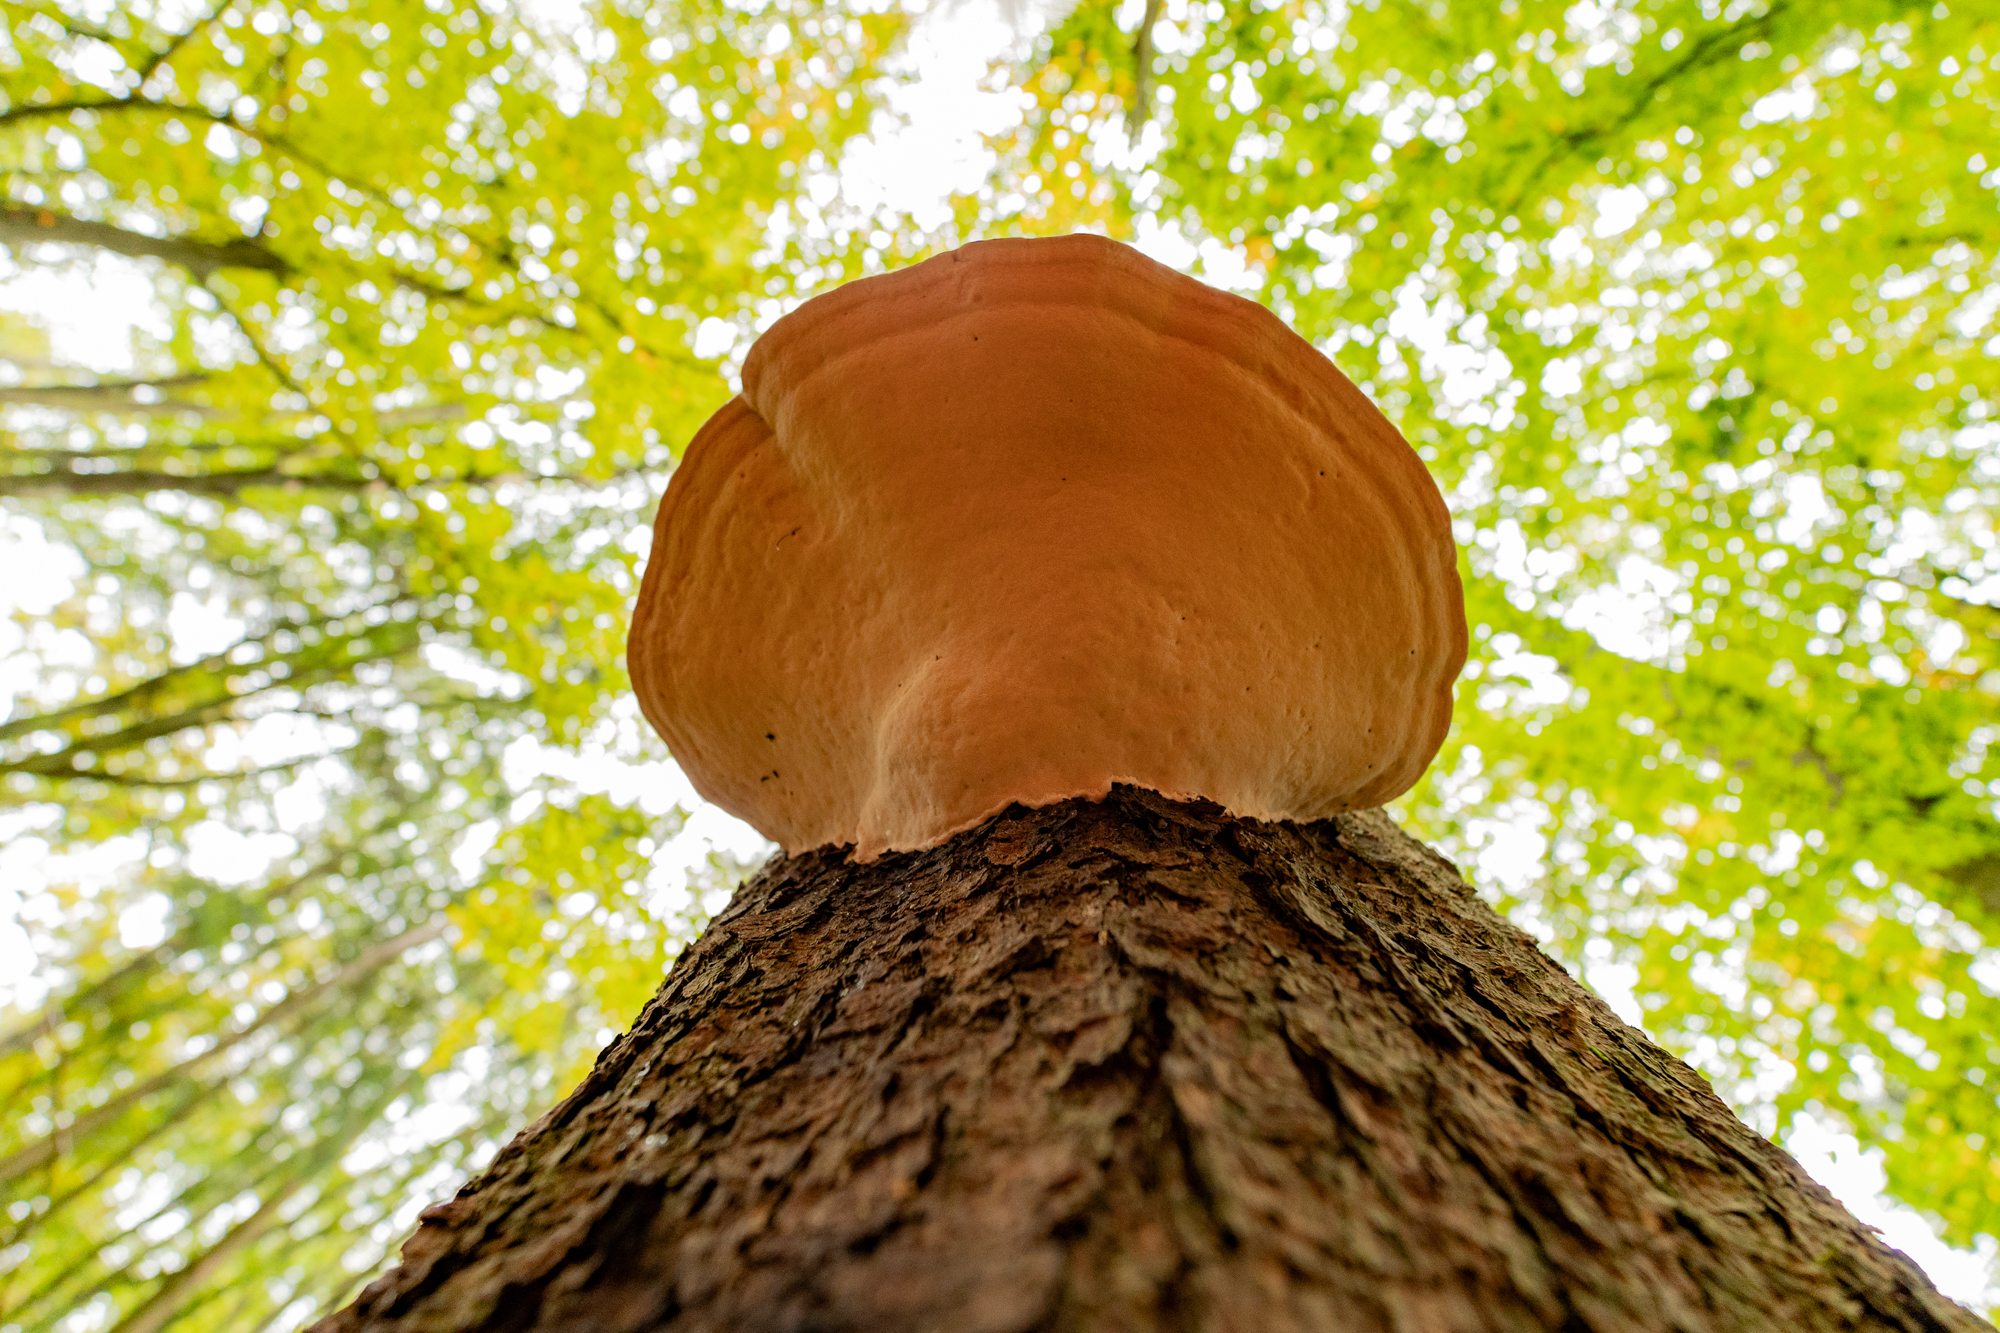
[926, 150]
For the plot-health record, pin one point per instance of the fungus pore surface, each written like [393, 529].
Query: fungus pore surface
[1029, 519]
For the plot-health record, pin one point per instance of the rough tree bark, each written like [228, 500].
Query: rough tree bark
[1136, 1065]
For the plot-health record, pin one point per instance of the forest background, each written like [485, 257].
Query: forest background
[348, 345]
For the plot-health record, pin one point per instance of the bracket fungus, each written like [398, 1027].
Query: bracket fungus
[1030, 519]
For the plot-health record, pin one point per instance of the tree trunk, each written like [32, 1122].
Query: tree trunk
[1137, 1065]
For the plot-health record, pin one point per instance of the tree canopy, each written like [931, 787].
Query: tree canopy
[1689, 306]
[1690, 309]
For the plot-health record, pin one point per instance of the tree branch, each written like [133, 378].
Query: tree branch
[131, 1149]
[141, 693]
[70, 457]
[35, 226]
[45, 1150]
[109, 395]
[45, 110]
[101, 993]
[1713, 49]
[68, 485]
[71, 485]
[76, 27]
[164, 784]
[19, 225]
[174, 44]
[183, 1292]
[56, 1282]
[186, 1283]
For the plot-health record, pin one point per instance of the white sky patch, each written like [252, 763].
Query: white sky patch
[1568, 246]
[450, 660]
[1805, 506]
[201, 626]
[89, 309]
[1616, 984]
[144, 923]
[1217, 264]
[29, 872]
[468, 857]
[1794, 101]
[302, 803]
[927, 147]
[1837, 1160]
[1165, 244]
[657, 787]
[1562, 377]
[713, 338]
[1629, 616]
[1506, 854]
[224, 855]
[1619, 210]
[275, 738]
[23, 875]
[38, 578]
[39, 575]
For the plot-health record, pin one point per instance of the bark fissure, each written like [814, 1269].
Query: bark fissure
[1135, 1065]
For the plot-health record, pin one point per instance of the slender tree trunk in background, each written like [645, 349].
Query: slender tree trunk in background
[185, 1286]
[45, 1150]
[1136, 1065]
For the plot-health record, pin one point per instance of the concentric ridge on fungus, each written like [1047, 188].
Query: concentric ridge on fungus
[1029, 519]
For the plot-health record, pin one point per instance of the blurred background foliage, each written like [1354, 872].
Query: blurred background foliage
[424, 276]
[1689, 305]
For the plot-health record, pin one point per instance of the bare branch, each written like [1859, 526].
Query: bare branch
[265, 356]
